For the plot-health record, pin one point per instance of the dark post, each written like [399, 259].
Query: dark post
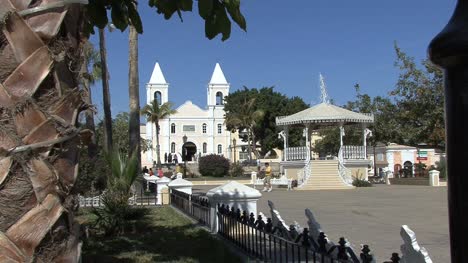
[234, 144]
[184, 152]
[449, 50]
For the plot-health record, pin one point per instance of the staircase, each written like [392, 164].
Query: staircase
[324, 176]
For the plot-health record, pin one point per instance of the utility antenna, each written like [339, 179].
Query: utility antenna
[323, 90]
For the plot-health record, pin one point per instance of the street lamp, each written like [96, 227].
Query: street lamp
[184, 152]
[234, 144]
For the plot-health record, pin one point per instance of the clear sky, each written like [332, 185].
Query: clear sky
[286, 45]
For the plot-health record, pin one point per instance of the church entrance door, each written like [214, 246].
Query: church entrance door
[189, 149]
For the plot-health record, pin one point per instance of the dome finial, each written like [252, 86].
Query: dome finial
[323, 90]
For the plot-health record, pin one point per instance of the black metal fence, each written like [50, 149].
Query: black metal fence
[195, 206]
[267, 243]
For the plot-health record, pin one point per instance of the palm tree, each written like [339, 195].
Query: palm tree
[246, 119]
[91, 60]
[105, 92]
[134, 94]
[154, 113]
[39, 137]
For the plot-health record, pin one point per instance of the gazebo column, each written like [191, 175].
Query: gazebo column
[284, 135]
[342, 133]
[306, 133]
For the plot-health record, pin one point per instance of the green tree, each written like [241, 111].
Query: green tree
[154, 113]
[385, 128]
[245, 119]
[419, 97]
[134, 94]
[272, 104]
[90, 72]
[94, 171]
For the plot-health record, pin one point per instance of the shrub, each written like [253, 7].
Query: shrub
[359, 182]
[116, 213]
[213, 165]
[236, 170]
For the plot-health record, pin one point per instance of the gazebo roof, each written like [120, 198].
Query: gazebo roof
[325, 113]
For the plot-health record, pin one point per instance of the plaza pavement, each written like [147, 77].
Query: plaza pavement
[370, 216]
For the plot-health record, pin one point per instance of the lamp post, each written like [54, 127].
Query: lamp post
[184, 151]
[234, 144]
[449, 50]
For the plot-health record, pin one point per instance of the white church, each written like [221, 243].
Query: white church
[201, 130]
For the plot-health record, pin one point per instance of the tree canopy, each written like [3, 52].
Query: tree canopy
[216, 14]
[413, 112]
[272, 104]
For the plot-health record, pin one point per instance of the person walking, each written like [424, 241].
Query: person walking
[267, 180]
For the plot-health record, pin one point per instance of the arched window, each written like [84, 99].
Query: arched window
[173, 147]
[220, 149]
[204, 128]
[173, 128]
[220, 128]
[219, 98]
[158, 97]
[204, 147]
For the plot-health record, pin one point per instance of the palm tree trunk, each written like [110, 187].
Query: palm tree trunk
[105, 93]
[249, 149]
[254, 143]
[39, 104]
[158, 149]
[134, 95]
[89, 114]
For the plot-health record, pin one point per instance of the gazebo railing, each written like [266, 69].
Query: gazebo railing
[354, 152]
[296, 153]
[344, 172]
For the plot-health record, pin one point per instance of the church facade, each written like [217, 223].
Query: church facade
[193, 131]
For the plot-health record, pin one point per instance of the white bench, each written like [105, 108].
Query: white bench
[283, 180]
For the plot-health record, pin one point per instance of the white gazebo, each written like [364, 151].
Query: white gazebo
[326, 174]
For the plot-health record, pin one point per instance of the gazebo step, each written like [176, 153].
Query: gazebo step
[311, 188]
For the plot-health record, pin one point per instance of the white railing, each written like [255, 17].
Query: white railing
[344, 172]
[296, 153]
[303, 175]
[354, 152]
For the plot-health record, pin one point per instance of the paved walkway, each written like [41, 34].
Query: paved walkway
[370, 216]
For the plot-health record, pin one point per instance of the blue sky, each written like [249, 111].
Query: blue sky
[286, 45]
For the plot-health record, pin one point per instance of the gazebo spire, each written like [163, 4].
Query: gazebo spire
[323, 90]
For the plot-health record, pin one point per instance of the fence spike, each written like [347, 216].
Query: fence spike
[245, 217]
[365, 256]
[305, 237]
[233, 212]
[395, 258]
[342, 249]
[259, 223]
[269, 226]
[322, 242]
[252, 219]
[238, 214]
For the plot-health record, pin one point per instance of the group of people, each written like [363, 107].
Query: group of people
[171, 158]
[151, 172]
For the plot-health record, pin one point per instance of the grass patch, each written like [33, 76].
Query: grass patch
[161, 236]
